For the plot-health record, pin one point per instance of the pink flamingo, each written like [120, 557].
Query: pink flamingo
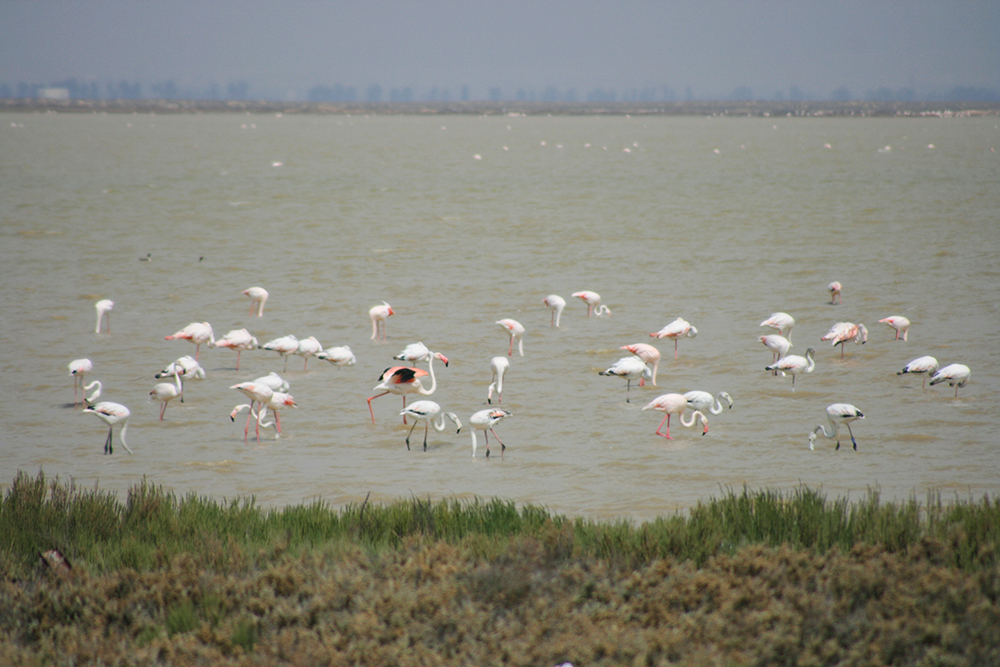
[403, 380]
[841, 332]
[279, 400]
[258, 393]
[834, 288]
[514, 328]
[104, 308]
[783, 322]
[556, 304]
[779, 346]
[78, 369]
[675, 404]
[593, 301]
[197, 333]
[899, 323]
[647, 353]
[679, 328]
[258, 297]
[379, 314]
[239, 340]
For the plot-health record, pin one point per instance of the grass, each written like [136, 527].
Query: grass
[751, 577]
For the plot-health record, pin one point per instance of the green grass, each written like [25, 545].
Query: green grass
[92, 527]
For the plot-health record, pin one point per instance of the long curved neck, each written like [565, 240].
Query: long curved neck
[826, 434]
[810, 361]
[716, 408]
[696, 415]
[430, 368]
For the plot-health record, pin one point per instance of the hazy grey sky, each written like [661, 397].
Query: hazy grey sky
[283, 48]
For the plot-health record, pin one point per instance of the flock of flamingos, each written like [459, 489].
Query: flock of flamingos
[270, 392]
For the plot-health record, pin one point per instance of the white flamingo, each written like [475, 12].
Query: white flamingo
[704, 402]
[415, 352]
[956, 375]
[679, 328]
[308, 347]
[274, 381]
[629, 368]
[484, 421]
[514, 328]
[593, 301]
[285, 345]
[279, 400]
[778, 344]
[164, 392]
[338, 356]
[793, 364]
[782, 322]
[647, 353]
[500, 366]
[112, 414]
[675, 404]
[78, 369]
[556, 304]
[921, 365]
[899, 324]
[238, 339]
[258, 297]
[183, 367]
[104, 308]
[426, 412]
[257, 393]
[837, 414]
[378, 315]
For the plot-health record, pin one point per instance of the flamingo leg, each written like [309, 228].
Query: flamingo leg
[238, 353]
[286, 363]
[426, 427]
[108, 448]
[404, 407]
[666, 418]
[246, 431]
[675, 348]
[369, 405]
[510, 350]
[411, 433]
[503, 447]
[277, 424]
[163, 408]
[628, 387]
[855, 442]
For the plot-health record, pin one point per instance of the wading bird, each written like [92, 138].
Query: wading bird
[104, 308]
[164, 392]
[274, 381]
[556, 304]
[793, 364]
[956, 375]
[842, 332]
[182, 368]
[704, 402]
[78, 369]
[782, 322]
[415, 352]
[922, 366]
[593, 301]
[112, 414]
[426, 412]
[338, 356]
[379, 314]
[514, 328]
[279, 400]
[837, 414]
[647, 353]
[899, 323]
[834, 288]
[679, 328]
[90, 400]
[675, 404]
[258, 393]
[197, 333]
[285, 345]
[258, 297]
[239, 340]
[630, 368]
[778, 345]
[499, 365]
[484, 420]
[404, 380]
[308, 347]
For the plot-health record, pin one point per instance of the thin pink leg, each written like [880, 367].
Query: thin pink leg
[369, 406]
[666, 435]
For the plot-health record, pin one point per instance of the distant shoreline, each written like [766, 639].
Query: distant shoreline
[690, 108]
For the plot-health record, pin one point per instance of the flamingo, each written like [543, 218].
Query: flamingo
[258, 297]
[630, 368]
[899, 323]
[426, 411]
[274, 381]
[841, 332]
[284, 346]
[783, 322]
[675, 404]
[257, 392]
[593, 301]
[794, 364]
[778, 345]
[182, 368]
[104, 308]
[500, 365]
[308, 347]
[834, 289]
[837, 414]
[278, 401]
[484, 420]
[78, 369]
[514, 328]
[676, 330]
[922, 365]
[403, 380]
[556, 304]
[197, 333]
[89, 400]
[647, 353]
[956, 375]
[239, 340]
[379, 314]
[112, 414]
[415, 352]
[164, 392]
[703, 402]
[338, 356]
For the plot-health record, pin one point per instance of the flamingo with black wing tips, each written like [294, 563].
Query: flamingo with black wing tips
[556, 304]
[647, 353]
[629, 368]
[404, 380]
[679, 328]
[837, 414]
[899, 324]
[675, 404]
[426, 412]
[197, 333]
[921, 365]
[285, 345]
[112, 414]
[183, 367]
[793, 364]
[378, 315]
[956, 375]
[515, 330]
[258, 297]
[338, 356]
[484, 421]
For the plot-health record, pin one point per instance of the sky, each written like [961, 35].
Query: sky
[712, 47]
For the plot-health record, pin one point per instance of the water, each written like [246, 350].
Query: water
[719, 220]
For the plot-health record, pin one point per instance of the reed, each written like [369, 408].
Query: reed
[153, 525]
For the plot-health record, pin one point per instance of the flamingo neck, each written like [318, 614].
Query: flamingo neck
[430, 369]
[696, 415]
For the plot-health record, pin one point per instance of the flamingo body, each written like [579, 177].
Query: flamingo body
[183, 367]
[239, 340]
[404, 380]
[274, 381]
[837, 414]
[842, 332]
[593, 301]
[499, 365]
[259, 393]
[338, 356]
[279, 400]
[378, 315]
[704, 402]
[164, 392]
[514, 328]
[78, 369]
[834, 289]
[921, 365]
[556, 304]
[778, 344]
[284, 346]
[793, 364]
[679, 328]
[648, 354]
[426, 412]
[900, 324]
[197, 333]
[956, 375]
[629, 368]
[112, 414]
[104, 308]
[484, 421]
[308, 347]
[782, 322]
[258, 297]
[674, 404]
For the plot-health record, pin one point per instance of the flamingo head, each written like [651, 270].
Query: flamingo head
[441, 357]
